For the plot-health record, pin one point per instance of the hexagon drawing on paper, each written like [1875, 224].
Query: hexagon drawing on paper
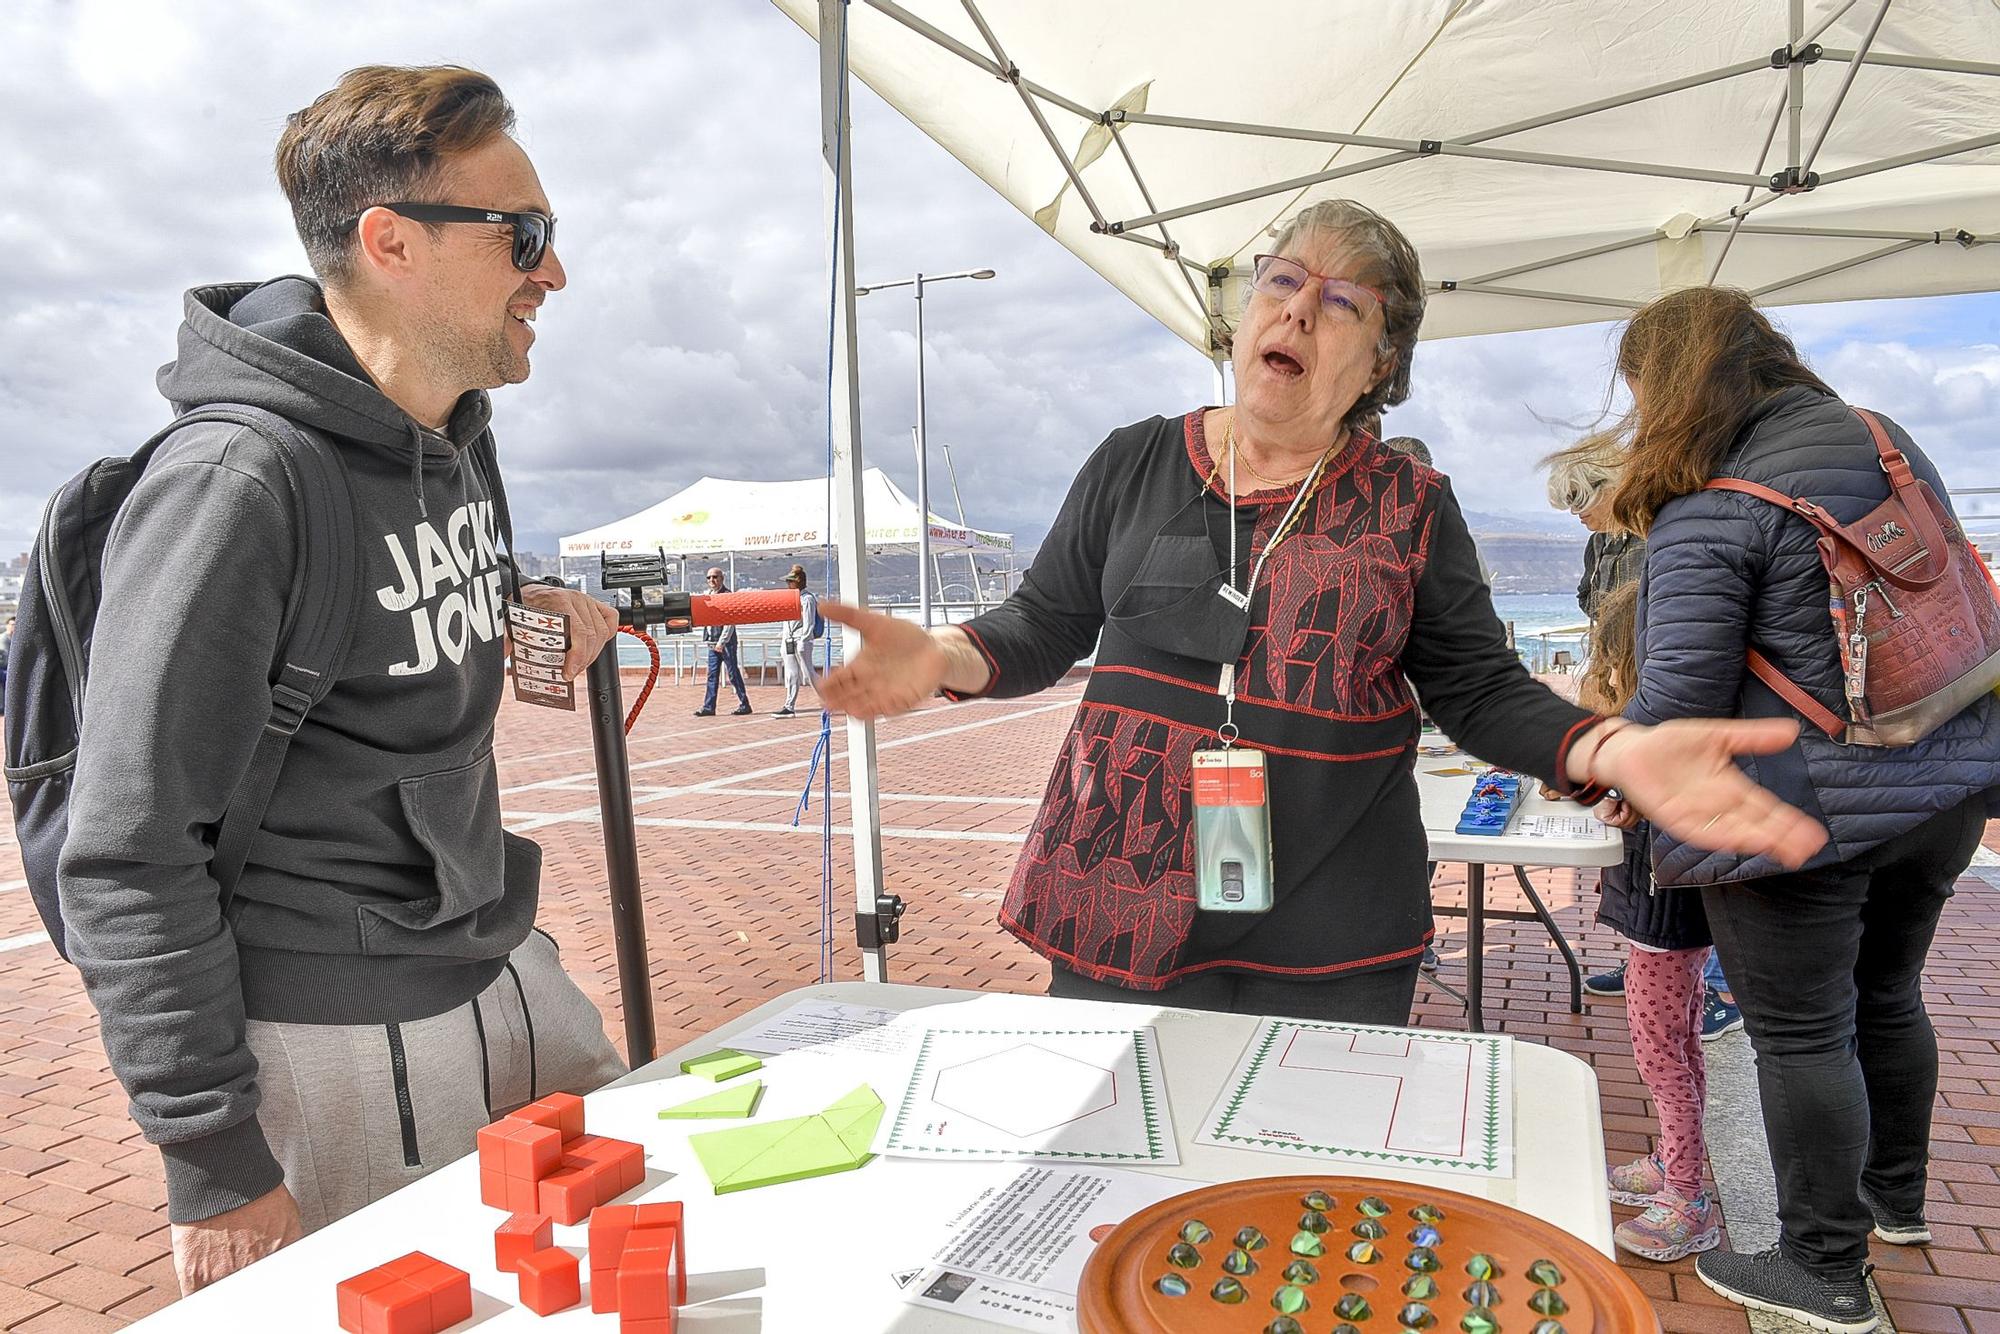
[1025, 1091]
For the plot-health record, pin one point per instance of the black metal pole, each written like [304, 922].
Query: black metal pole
[621, 853]
[1475, 944]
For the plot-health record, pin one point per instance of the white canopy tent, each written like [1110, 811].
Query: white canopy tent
[717, 515]
[1554, 161]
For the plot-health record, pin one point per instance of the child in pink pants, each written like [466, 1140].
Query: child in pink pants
[1664, 992]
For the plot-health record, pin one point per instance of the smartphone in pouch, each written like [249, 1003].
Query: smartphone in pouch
[1232, 831]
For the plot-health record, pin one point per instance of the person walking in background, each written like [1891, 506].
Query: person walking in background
[1827, 957]
[1668, 935]
[1582, 480]
[799, 636]
[721, 641]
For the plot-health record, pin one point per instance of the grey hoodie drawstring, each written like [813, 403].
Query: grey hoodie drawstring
[417, 468]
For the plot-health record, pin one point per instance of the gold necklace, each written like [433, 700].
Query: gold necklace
[1229, 447]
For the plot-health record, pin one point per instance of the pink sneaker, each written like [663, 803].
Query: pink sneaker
[1637, 1183]
[1672, 1227]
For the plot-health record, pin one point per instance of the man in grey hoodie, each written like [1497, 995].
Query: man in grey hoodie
[375, 991]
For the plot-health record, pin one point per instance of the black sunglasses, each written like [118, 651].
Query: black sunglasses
[533, 232]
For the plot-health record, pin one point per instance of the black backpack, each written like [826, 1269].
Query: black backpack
[60, 595]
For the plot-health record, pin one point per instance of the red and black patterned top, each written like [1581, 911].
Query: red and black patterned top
[1376, 590]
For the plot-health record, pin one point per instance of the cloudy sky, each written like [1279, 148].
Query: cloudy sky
[682, 157]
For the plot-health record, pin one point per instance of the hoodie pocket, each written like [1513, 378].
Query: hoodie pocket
[454, 815]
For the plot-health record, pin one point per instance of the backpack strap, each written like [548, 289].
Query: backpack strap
[1814, 712]
[319, 618]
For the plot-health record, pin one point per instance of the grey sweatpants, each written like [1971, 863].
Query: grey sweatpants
[354, 1112]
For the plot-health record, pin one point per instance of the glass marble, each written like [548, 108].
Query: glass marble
[1481, 1266]
[1228, 1291]
[1416, 1316]
[1183, 1256]
[1421, 1288]
[1547, 1327]
[1423, 1234]
[1196, 1231]
[1427, 1213]
[1171, 1285]
[1363, 1253]
[1289, 1299]
[1307, 1244]
[1284, 1324]
[1479, 1320]
[1482, 1293]
[1373, 1206]
[1423, 1260]
[1301, 1271]
[1314, 1221]
[1352, 1306]
[1344, 1328]
[1239, 1263]
[1370, 1229]
[1250, 1239]
[1317, 1200]
[1544, 1274]
[1547, 1301]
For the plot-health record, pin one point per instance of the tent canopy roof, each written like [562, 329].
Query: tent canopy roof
[717, 514]
[1162, 141]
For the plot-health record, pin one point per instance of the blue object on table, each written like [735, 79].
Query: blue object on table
[1492, 803]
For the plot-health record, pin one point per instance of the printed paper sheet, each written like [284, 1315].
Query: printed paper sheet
[1348, 1094]
[1067, 1095]
[1016, 1253]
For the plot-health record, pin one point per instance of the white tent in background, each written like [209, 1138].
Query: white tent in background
[1555, 162]
[717, 515]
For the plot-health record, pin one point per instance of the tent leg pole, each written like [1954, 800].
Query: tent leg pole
[1221, 379]
[836, 152]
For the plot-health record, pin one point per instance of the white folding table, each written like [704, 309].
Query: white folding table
[1444, 800]
[818, 1254]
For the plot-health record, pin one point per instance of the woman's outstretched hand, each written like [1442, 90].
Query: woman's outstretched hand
[899, 666]
[1680, 776]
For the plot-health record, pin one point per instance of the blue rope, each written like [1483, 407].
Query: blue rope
[822, 756]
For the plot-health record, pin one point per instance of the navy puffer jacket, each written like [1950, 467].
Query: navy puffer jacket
[1726, 572]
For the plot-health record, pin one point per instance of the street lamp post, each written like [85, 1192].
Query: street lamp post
[916, 286]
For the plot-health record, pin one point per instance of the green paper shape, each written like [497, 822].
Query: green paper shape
[854, 1119]
[720, 1065]
[736, 1100]
[803, 1147]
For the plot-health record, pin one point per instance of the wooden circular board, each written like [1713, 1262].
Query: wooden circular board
[1119, 1292]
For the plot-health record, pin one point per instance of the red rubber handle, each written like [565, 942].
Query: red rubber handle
[758, 607]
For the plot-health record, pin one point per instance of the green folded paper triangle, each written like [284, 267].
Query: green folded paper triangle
[836, 1140]
[736, 1100]
[720, 1065]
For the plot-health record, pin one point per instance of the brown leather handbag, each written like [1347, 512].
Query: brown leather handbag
[1914, 608]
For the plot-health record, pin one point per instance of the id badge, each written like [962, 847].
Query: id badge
[540, 640]
[1232, 831]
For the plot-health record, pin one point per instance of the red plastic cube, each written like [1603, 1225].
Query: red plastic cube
[492, 1188]
[520, 1236]
[567, 1195]
[397, 1307]
[569, 1108]
[645, 1284]
[549, 1281]
[608, 1225]
[604, 1289]
[451, 1296]
[349, 1293]
[665, 1326]
[533, 1151]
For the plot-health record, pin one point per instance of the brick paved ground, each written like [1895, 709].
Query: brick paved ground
[731, 918]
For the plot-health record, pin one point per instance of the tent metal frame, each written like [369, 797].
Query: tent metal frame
[1205, 280]
[1794, 177]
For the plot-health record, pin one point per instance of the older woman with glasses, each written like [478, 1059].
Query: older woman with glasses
[1268, 578]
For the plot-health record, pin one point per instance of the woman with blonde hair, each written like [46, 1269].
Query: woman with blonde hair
[1826, 959]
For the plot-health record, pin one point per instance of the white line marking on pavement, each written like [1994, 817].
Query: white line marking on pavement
[22, 942]
[790, 795]
[791, 737]
[537, 820]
